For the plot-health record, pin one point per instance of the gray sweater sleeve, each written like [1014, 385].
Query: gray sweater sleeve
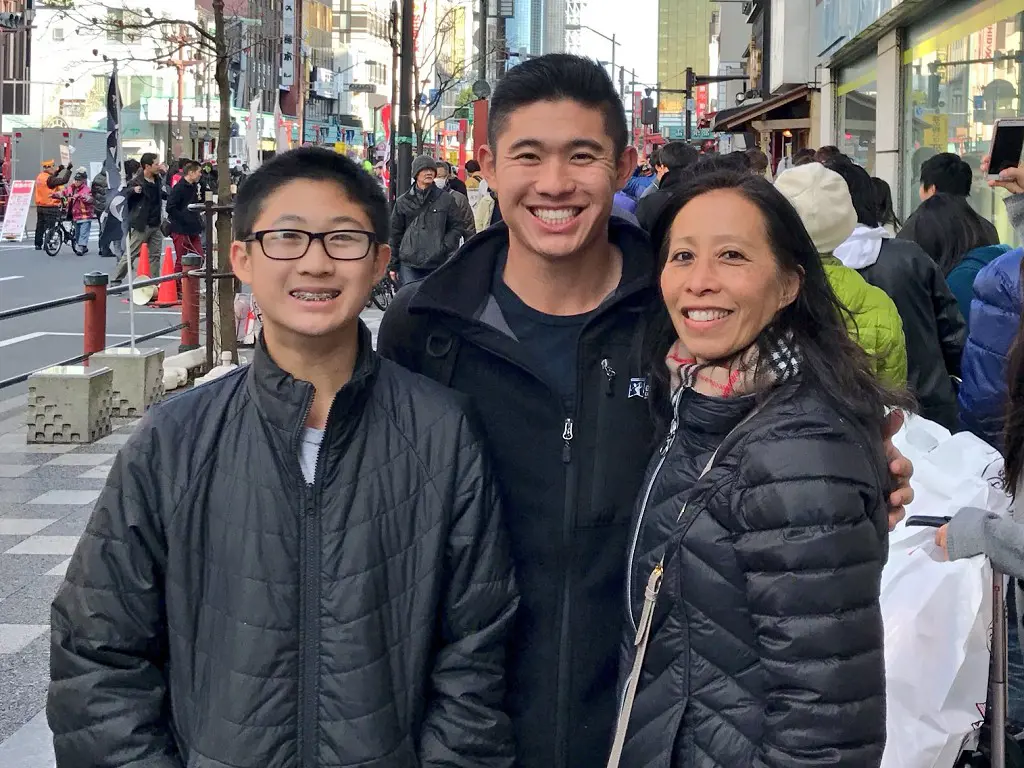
[975, 531]
[1015, 210]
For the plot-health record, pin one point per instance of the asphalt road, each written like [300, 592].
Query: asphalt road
[35, 341]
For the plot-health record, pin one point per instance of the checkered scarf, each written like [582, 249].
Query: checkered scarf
[737, 378]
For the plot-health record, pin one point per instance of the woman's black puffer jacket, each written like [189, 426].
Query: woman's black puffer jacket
[767, 644]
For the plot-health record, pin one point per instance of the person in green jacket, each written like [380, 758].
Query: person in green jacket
[823, 201]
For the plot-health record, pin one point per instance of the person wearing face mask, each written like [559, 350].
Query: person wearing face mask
[762, 520]
[445, 179]
[427, 225]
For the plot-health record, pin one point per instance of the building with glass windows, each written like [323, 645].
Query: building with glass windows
[683, 39]
[909, 81]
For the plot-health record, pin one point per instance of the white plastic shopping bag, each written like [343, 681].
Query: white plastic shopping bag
[937, 618]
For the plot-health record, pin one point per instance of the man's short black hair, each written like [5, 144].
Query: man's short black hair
[654, 158]
[677, 156]
[131, 167]
[312, 164]
[189, 167]
[147, 159]
[558, 77]
[948, 174]
[472, 166]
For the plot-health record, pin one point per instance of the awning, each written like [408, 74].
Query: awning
[737, 117]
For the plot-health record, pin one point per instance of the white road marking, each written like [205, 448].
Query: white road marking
[17, 339]
[11, 277]
[38, 334]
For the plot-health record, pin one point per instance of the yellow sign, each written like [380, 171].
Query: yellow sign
[340, 147]
[936, 135]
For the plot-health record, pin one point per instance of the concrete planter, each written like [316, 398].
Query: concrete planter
[69, 404]
[138, 379]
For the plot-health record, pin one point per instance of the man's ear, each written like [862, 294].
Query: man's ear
[380, 263]
[241, 261]
[625, 166]
[488, 163]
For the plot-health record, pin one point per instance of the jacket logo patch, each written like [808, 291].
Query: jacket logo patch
[637, 388]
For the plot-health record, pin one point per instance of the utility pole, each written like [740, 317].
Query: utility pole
[622, 85]
[300, 74]
[181, 64]
[404, 138]
[482, 40]
[392, 158]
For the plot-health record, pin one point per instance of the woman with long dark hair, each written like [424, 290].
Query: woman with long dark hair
[765, 644]
[884, 208]
[959, 241]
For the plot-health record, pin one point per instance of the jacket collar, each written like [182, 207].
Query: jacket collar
[284, 401]
[672, 179]
[462, 286]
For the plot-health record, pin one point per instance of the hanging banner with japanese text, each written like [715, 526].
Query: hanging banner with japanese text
[288, 45]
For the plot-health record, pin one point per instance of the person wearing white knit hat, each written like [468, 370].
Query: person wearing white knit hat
[822, 199]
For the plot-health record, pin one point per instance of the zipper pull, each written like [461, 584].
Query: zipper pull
[609, 373]
[567, 437]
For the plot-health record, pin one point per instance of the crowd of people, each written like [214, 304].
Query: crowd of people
[606, 493]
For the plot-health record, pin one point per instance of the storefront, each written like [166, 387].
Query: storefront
[908, 81]
[962, 71]
[783, 124]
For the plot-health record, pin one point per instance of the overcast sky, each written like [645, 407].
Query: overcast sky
[636, 35]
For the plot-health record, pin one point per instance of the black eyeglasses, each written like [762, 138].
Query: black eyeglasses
[291, 244]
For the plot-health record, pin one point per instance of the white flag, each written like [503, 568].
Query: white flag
[252, 136]
[280, 134]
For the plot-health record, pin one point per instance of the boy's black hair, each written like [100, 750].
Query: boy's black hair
[948, 174]
[312, 164]
[190, 166]
[558, 77]
[131, 167]
[147, 159]
[472, 166]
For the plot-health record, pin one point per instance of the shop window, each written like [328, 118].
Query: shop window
[954, 91]
[858, 107]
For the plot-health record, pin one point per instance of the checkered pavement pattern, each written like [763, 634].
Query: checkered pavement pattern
[46, 496]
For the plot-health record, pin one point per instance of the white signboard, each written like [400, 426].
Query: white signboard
[288, 45]
[18, 203]
[65, 155]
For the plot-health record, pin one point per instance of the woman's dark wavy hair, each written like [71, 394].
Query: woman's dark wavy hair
[831, 362]
[948, 229]
[1014, 428]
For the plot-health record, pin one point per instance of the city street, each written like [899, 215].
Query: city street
[47, 491]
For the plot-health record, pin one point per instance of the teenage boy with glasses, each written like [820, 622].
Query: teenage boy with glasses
[301, 563]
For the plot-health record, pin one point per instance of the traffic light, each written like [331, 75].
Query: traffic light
[10, 20]
[649, 112]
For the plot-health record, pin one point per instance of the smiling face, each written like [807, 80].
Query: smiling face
[554, 169]
[722, 283]
[313, 296]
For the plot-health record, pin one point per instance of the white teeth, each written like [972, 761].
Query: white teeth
[555, 215]
[308, 296]
[706, 315]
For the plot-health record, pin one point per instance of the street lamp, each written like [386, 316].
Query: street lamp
[611, 39]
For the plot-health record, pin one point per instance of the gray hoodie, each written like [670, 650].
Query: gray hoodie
[975, 531]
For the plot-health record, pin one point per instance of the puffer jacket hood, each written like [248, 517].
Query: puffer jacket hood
[876, 323]
[222, 611]
[995, 318]
[861, 249]
[961, 278]
[766, 645]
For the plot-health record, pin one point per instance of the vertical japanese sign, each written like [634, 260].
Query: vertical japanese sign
[701, 99]
[18, 203]
[288, 44]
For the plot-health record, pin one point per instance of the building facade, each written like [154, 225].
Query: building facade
[15, 74]
[904, 81]
[683, 41]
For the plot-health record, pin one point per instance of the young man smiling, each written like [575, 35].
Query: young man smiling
[301, 564]
[537, 321]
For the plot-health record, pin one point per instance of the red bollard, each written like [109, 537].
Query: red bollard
[190, 302]
[95, 330]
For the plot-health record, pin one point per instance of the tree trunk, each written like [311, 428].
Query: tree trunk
[225, 338]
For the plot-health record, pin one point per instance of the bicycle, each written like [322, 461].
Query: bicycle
[383, 293]
[59, 232]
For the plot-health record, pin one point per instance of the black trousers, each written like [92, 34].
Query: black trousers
[110, 232]
[44, 218]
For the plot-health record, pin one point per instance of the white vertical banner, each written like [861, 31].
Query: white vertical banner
[252, 135]
[288, 44]
[281, 143]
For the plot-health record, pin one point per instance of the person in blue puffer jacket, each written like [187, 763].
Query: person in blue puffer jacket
[995, 316]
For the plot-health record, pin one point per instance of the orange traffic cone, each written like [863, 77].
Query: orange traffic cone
[167, 296]
[142, 270]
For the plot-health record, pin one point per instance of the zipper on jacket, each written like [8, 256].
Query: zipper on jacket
[609, 373]
[568, 520]
[567, 440]
[309, 604]
[662, 455]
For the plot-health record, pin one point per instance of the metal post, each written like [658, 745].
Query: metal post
[300, 78]
[392, 156]
[210, 335]
[94, 331]
[688, 95]
[999, 686]
[482, 40]
[404, 139]
[613, 57]
[170, 119]
[190, 302]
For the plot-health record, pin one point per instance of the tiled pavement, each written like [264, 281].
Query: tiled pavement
[46, 498]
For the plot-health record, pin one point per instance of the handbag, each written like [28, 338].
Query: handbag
[643, 627]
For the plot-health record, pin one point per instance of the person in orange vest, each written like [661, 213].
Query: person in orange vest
[48, 183]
